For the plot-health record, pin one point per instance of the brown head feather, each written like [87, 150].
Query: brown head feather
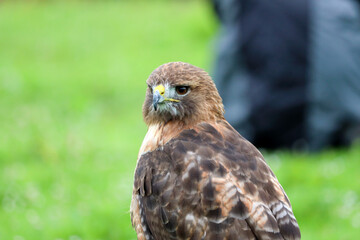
[203, 103]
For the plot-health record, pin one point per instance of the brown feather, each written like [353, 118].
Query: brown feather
[197, 178]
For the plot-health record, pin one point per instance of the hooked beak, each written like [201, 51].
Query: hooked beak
[157, 98]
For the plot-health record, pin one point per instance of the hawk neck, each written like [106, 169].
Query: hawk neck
[159, 134]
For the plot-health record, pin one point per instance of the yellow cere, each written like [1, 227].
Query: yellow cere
[171, 99]
[160, 88]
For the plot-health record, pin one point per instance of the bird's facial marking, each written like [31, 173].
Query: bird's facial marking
[150, 88]
[163, 94]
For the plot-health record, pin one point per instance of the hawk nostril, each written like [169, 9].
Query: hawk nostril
[161, 89]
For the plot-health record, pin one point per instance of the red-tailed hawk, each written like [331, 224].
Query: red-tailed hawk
[197, 177]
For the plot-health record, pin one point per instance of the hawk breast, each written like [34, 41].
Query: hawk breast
[211, 183]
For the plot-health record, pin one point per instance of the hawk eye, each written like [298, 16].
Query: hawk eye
[181, 90]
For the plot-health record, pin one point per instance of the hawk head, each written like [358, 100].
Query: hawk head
[181, 92]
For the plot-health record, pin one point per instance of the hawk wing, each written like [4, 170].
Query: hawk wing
[210, 183]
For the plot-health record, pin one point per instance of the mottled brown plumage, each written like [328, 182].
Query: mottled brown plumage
[196, 177]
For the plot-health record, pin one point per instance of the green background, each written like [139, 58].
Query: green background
[72, 82]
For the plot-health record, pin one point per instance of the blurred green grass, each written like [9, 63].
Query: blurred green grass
[72, 82]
